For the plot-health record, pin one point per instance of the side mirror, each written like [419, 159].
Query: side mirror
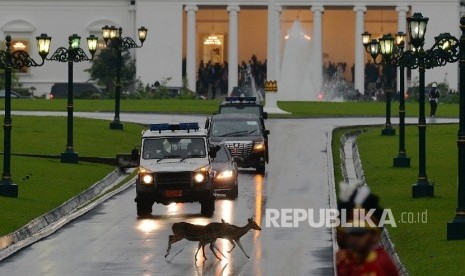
[135, 154]
[266, 132]
[265, 115]
[213, 150]
[207, 123]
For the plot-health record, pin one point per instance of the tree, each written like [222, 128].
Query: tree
[103, 70]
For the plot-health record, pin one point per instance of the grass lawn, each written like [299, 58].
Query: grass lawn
[298, 109]
[421, 244]
[44, 184]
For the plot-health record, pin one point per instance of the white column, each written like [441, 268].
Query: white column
[318, 46]
[191, 46]
[277, 39]
[359, 49]
[273, 71]
[271, 45]
[402, 27]
[233, 47]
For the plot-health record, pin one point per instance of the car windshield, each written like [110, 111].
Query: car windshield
[173, 147]
[235, 128]
[241, 109]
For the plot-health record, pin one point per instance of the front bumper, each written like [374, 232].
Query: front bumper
[167, 196]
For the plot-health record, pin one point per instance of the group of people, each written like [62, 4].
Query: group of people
[212, 78]
[360, 251]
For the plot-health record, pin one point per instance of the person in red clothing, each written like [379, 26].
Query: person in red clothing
[360, 252]
[364, 255]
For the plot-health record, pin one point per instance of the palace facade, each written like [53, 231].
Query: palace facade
[187, 32]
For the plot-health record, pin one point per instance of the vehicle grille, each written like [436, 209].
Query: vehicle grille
[240, 149]
[174, 180]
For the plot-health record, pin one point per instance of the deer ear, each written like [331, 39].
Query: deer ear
[250, 219]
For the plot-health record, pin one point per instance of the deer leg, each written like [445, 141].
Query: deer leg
[234, 245]
[170, 241]
[240, 246]
[198, 248]
[212, 247]
[203, 250]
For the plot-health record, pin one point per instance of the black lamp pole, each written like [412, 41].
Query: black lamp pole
[374, 48]
[402, 160]
[444, 50]
[456, 228]
[71, 55]
[113, 38]
[9, 61]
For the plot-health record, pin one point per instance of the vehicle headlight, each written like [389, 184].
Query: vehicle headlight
[259, 146]
[199, 177]
[147, 178]
[225, 174]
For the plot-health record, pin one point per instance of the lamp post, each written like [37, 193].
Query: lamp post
[384, 46]
[113, 38]
[71, 55]
[391, 49]
[9, 61]
[456, 228]
[402, 160]
[443, 51]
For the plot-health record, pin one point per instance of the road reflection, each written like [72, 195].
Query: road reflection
[148, 226]
[258, 180]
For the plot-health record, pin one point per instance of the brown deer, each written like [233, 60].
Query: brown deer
[207, 234]
[233, 233]
[204, 234]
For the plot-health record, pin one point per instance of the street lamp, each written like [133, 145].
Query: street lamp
[456, 228]
[402, 160]
[71, 55]
[113, 38]
[385, 46]
[438, 55]
[443, 51]
[9, 61]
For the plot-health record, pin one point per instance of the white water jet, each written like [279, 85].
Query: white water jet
[297, 80]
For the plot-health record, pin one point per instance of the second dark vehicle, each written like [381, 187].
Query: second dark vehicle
[244, 137]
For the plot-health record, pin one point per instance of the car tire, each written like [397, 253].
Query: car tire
[144, 207]
[208, 207]
[234, 193]
[261, 169]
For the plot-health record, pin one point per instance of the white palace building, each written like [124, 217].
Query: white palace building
[180, 29]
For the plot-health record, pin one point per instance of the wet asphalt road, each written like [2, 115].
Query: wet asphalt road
[110, 240]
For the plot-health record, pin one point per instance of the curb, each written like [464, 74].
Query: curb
[352, 169]
[332, 192]
[52, 221]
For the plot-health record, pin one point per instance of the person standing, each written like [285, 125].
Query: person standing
[433, 99]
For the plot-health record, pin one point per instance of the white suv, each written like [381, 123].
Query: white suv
[175, 166]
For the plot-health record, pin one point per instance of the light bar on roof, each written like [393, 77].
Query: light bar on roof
[173, 127]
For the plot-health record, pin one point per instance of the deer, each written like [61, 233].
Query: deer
[204, 234]
[233, 233]
[208, 234]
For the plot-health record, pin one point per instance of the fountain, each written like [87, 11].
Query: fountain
[298, 79]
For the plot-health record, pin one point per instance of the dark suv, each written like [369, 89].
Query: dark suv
[243, 135]
[245, 105]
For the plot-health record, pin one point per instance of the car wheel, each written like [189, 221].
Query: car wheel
[234, 192]
[261, 169]
[208, 207]
[144, 206]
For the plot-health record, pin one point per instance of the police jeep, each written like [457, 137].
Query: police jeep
[174, 166]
